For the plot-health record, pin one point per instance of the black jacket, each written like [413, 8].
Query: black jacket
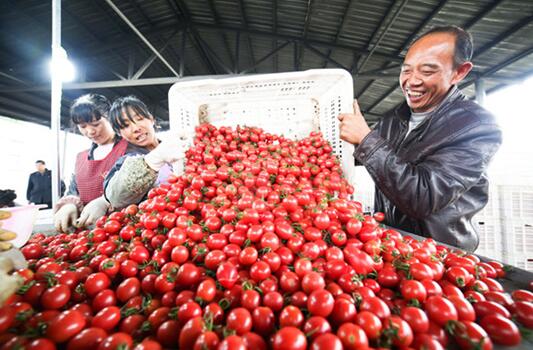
[434, 181]
[40, 188]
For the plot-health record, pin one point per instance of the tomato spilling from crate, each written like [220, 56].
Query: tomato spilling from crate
[258, 246]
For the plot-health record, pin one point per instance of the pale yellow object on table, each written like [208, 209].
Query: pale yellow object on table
[5, 235]
[9, 283]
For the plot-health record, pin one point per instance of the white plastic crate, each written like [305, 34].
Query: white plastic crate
[290, 104]
[520, 199]
[490, 237]
[525, 263]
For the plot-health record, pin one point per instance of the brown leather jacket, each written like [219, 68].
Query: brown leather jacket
[433, 182]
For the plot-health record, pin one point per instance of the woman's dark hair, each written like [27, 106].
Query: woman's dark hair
[464, 43]
[7, 198]
[89, 108]
[124, 109]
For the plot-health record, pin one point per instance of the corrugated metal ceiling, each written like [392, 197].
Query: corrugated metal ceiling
[362, 36]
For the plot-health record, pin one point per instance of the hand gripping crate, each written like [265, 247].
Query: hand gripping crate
[290, 104]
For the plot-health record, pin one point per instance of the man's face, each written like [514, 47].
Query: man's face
[40, 167]
[428, 73]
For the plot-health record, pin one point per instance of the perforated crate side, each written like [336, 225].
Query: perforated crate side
[292, 104]
[492, 209]
[490, 238]
[516, 201]
[524, 262]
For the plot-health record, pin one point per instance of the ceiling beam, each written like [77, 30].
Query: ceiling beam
[12, 77]
[161, 37]
[193, 33]
[498, 67]
[384, 32]
[237, 51]
[213, 54]
[504, 36]
[436, 10]
[244, 21]
[213, 8]
[382, 97]
[97, 84]
[325, 56]
[86, 53]
[68, 15]
[266, 57]
[307, 21]
[299, 39]
[182, 52]
[507, 82]
[152, 58]
[295, 56]
[409, 39]
[484, 12]
[347, 10]
[141, 36]
[275, 31]
[41, 118]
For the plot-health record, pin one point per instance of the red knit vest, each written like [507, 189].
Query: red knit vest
[90, 174]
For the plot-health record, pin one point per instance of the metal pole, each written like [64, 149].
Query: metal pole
[480, 92]
[142, 37]
[55, 115]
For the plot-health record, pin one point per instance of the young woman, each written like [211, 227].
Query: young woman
[84, 198]
[133, 176]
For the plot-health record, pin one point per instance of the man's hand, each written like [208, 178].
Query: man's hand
[65, 217]
[353, 126]
[167, 152]
[94, 210]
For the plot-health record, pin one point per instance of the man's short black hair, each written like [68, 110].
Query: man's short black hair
[40, 161]
[464, 43]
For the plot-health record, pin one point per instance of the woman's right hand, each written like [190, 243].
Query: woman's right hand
[66, 217]
[167, 152]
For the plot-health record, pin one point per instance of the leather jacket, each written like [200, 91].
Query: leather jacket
[432, 182]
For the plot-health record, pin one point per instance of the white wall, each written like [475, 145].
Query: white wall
[22, 143]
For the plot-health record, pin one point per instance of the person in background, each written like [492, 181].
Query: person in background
[135, 174]
[429, 157]
[40, 185]
[84, 201]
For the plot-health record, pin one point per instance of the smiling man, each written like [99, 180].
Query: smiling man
[429, 157]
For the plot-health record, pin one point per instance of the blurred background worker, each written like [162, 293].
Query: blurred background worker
[40, 185]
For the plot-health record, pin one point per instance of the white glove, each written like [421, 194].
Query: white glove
[9, 284]
[65, 217]
[167, 152]
[94, 210]
[178, 167]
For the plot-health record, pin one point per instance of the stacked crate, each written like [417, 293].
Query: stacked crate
[518, 225]
[506, 225]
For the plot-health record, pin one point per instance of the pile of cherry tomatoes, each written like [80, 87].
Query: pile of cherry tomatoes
[256, 246]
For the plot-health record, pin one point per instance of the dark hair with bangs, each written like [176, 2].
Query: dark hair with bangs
[464, 43]
[120, 114]
[89, 108]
